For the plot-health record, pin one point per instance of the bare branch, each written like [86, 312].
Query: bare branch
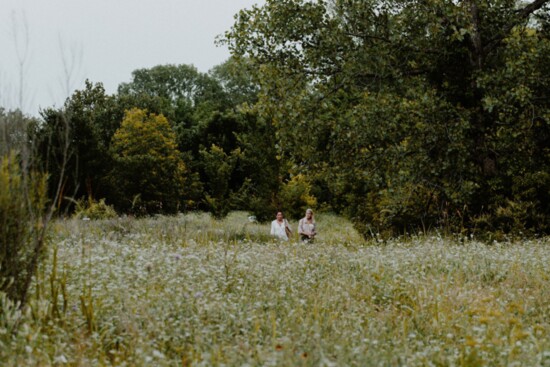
[20, 33]
[531, 8]
[71, 60]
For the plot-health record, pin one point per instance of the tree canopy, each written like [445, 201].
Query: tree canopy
[412, 113]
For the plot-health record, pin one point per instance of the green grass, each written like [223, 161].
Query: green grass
[189, 290]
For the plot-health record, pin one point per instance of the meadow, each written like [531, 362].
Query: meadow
[191, 291]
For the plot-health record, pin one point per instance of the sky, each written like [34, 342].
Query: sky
[70, 41]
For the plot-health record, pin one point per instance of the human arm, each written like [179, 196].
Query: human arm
[313, 230]
[301, 227]
[287, 226]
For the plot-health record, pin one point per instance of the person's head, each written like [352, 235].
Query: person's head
[280, 216]
[309, 214]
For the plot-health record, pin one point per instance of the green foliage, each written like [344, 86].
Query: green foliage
[412, 114]
[295, 197]
[256, 200]
[204, 110]
[236, 79]
[257, 175]
[14, 131]
[91, 209]
[148, 164]
[219, 167]
[174, 83]
[23, 199]
[73, 142]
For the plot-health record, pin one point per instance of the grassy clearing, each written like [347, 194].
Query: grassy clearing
[188, 290]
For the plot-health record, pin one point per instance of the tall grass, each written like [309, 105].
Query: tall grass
[189, 290]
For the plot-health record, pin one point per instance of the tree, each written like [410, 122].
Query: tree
[235, 78]
[260, 172]
[14, 131]
[219, 167]
[412, 113]
[174, 83]
[79, 135]
[208, 111]
[190, 99]
[148, 170]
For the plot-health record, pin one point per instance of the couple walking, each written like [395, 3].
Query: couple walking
[306, 227]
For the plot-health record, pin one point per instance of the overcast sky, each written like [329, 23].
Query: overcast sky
[104, 41]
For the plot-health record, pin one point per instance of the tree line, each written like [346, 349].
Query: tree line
[171, 140]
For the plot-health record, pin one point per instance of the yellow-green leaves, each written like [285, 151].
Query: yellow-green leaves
[296, 196]
[144, 134]
[148, 164]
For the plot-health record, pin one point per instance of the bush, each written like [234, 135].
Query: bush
[257, 199]
[22, 226]
[94, 210]
[295, 197]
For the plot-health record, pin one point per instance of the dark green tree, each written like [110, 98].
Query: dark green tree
[259, 171]
[411, 113]
[236, 80]
[174, 83]
[77, 138]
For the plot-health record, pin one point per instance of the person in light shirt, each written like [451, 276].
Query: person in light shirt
[307, 228]
[280, 227]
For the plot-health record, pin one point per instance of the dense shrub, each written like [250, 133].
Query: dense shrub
[295, 197]
[22, 208]
[92, 209]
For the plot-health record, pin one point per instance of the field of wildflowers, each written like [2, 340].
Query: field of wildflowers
[192, 291]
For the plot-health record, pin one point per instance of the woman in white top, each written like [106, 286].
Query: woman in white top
[280, 227]
[306, 227]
